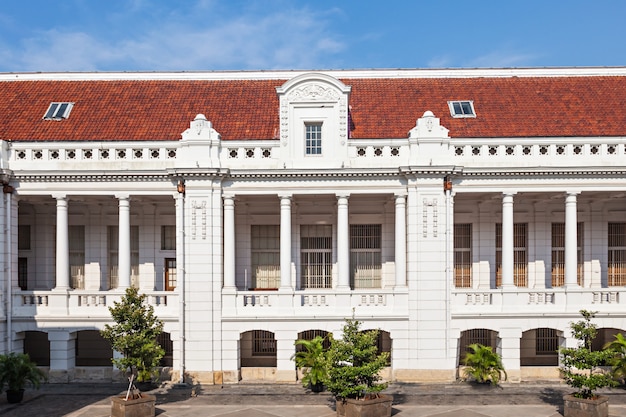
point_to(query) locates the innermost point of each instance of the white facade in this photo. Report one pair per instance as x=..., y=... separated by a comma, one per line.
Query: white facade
x=263, y=236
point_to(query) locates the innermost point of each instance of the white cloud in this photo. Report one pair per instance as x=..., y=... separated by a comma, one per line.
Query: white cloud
x=297, y=38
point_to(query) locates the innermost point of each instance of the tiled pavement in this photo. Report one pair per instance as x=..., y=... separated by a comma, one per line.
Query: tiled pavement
x=272, y=400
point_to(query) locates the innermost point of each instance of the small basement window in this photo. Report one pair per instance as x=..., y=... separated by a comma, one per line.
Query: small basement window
x=463, y=108
x=58, y=111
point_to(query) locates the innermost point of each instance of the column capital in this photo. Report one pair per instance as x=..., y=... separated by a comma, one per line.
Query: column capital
x=59, y=196
x=342, y=195
x=285, y=196
x=122, y=196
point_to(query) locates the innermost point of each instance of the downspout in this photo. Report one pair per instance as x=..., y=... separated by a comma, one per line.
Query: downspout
x=447, y=186
x=7, y=190
x=180, y=273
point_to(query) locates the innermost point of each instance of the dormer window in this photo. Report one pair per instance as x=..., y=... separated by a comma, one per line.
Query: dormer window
x=462, y=108
x=58, y=111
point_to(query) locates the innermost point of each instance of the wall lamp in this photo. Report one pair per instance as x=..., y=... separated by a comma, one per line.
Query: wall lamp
x=447, y=183
x=180, y=187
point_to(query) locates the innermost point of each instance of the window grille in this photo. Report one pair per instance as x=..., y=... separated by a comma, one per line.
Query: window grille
x=463, y=255
x=263, y=343
x=265, y=256
x=313, y=145
x=22, y=273
x=617, y=254
x=77, y=256
x=312, y=334
x=316, y=256
x=520, y=254
x=165, y=341
x=168, y=237
x=558, y=254
x=546, y=342
x=365, y=255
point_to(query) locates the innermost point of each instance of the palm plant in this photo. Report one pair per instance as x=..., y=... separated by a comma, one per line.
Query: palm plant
x=312, y=361
x=618, y=360
x=17, y=370
x=483, y=365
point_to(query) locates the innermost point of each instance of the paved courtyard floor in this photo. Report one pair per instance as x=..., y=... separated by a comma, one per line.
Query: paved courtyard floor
x=278, y=400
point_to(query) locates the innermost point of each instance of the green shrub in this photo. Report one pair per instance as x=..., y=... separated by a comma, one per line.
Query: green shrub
x=579, y=363
x=134, y=335
x=354, y=363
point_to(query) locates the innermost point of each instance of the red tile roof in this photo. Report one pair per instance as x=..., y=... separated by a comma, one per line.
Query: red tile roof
x=248, y=109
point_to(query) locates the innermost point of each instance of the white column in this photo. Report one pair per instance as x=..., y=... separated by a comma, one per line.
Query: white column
x=400, y=241
x=285, y=242
x=507, y=241
x=229, y=242
x=571, y=241
x=63, y=245
x=62, y=355
x=343, y=243
x=123, y=248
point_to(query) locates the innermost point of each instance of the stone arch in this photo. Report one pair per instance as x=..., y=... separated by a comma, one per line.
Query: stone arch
x=257, y=348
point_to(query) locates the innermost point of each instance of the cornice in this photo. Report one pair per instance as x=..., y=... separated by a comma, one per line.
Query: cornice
x=288, y=173
x=347, y=73
x=119, y=176
x=557, y=172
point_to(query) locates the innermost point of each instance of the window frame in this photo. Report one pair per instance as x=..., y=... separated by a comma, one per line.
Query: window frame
x=58, y=110
x=616, y=254
x=463, y=255
x=313, y=145
x=366, y=252
x=316, y=256
x=465, y=108
x=264, y=243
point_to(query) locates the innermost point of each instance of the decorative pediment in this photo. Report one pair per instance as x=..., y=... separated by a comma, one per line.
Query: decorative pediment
x=313, y=92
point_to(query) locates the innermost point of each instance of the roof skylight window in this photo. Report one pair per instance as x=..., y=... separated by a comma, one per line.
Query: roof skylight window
x=462, y=108
x=58, y=111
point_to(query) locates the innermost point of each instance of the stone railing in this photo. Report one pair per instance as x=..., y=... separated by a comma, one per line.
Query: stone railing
x=318, y=303
x=525, y=300
x=81, y=303
x=535, y=152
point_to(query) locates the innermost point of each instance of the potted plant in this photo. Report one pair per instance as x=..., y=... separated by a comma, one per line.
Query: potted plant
x=16, y=371
x=353, y=373
x=580, y=370
x=483, y=365
x=134, y=335
x=312, y=361
x=618, y=359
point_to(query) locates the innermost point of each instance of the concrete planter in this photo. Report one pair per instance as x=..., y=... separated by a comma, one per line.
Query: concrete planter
x=140, y=407
x=580, y=407
x=375, y=407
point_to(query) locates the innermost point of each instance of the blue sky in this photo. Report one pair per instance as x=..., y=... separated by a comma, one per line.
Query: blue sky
x=178, y=35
